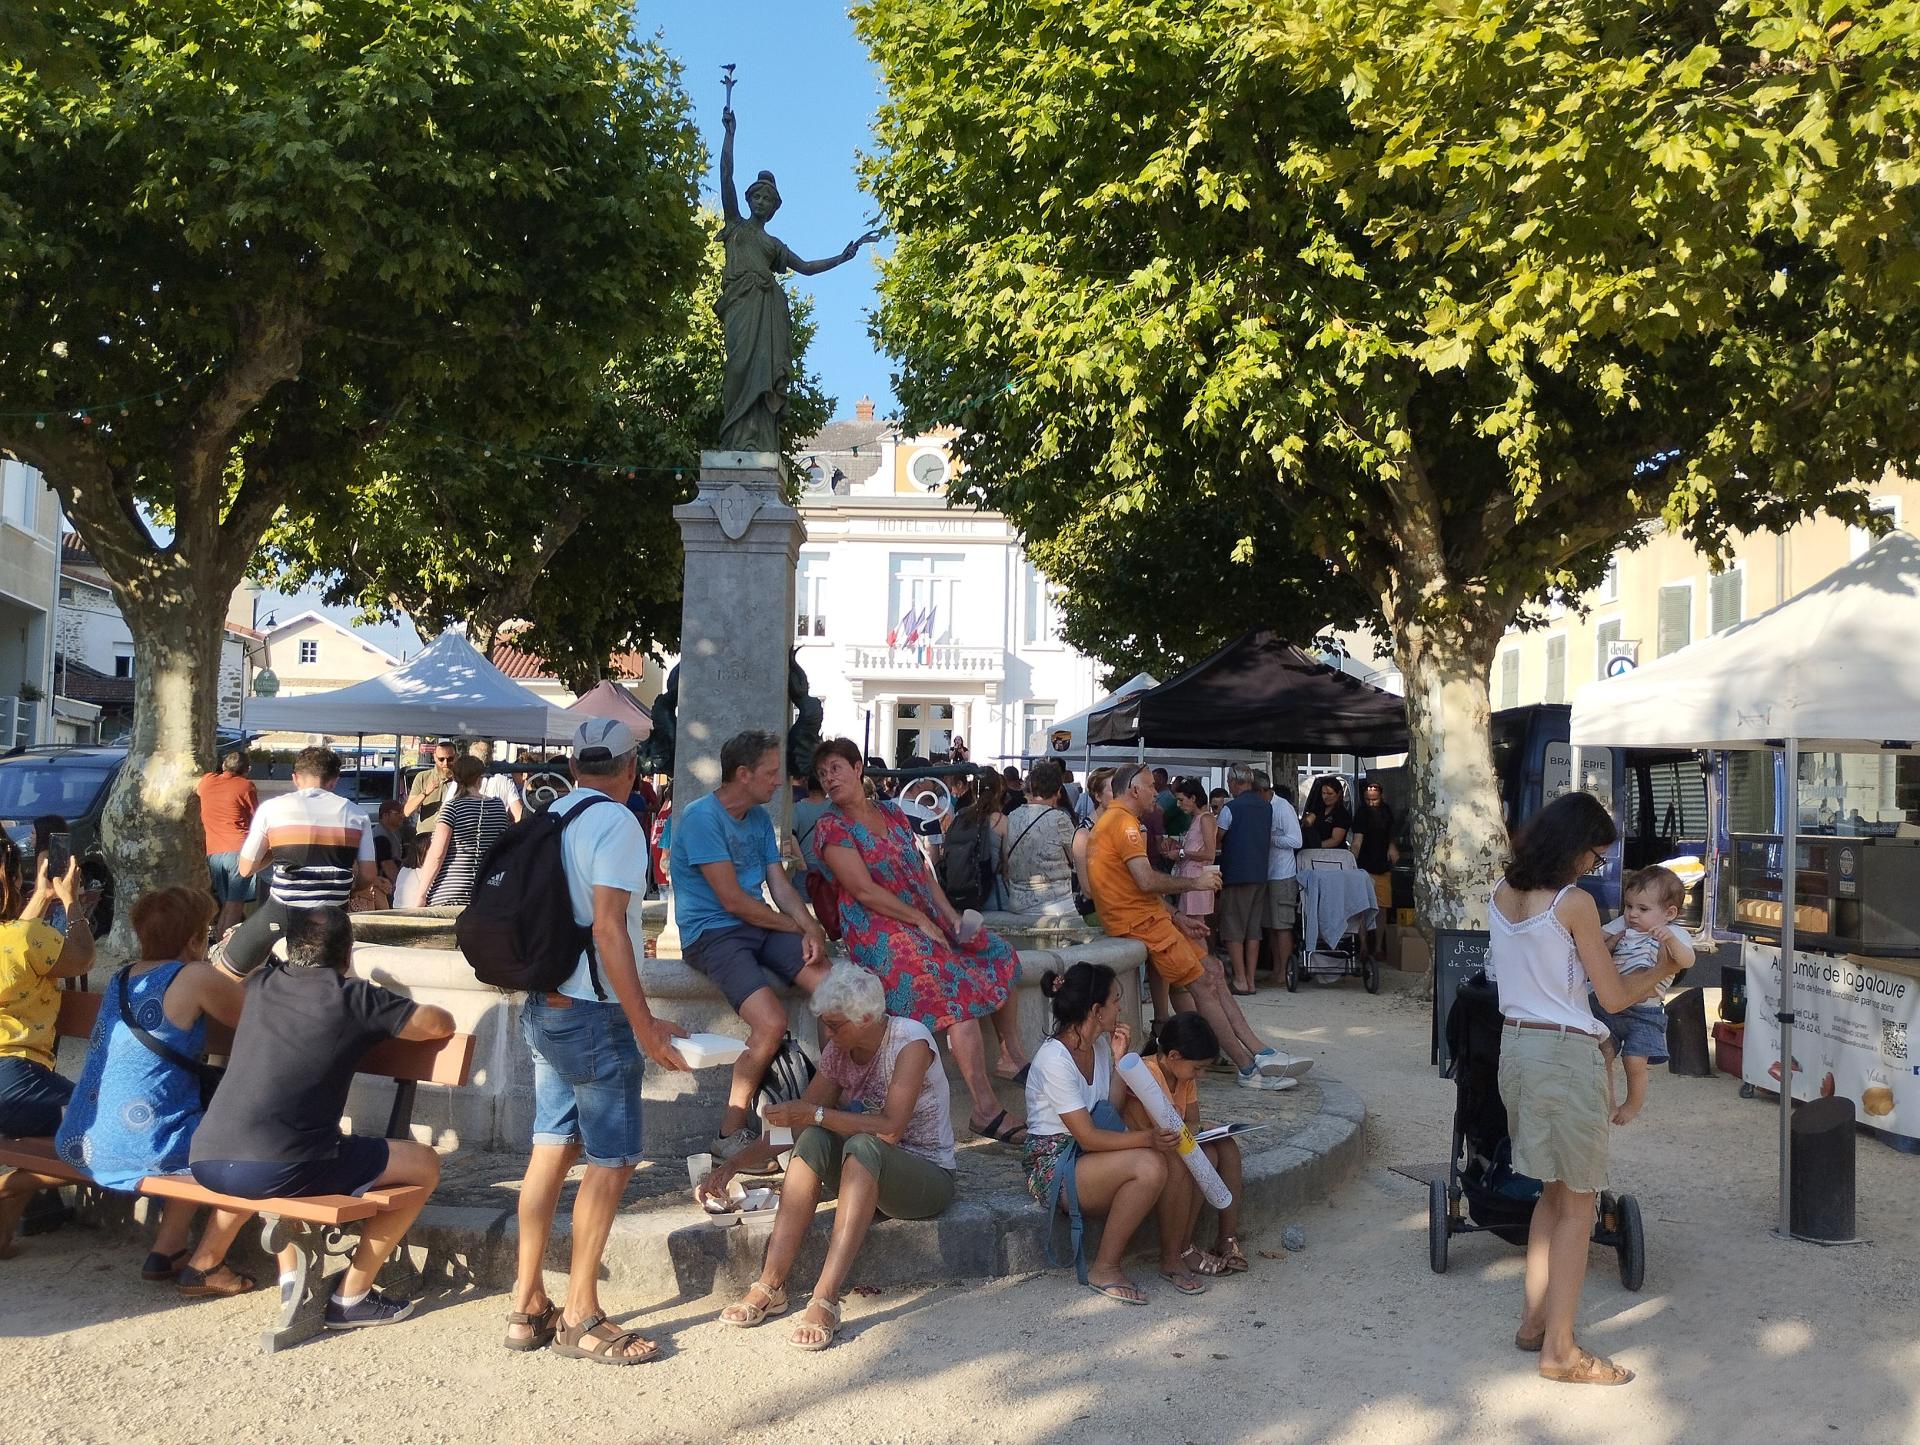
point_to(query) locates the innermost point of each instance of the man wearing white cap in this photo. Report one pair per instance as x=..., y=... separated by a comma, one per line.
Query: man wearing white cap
x=587, y=1063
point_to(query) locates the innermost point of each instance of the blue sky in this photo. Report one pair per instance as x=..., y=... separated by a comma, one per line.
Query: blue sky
x=806, y=97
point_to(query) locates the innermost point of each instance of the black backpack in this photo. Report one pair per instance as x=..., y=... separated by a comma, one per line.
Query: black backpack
x=517, y=930
x=966, y=863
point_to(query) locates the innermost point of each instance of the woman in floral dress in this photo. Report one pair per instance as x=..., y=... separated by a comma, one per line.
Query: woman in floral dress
x=899, y=925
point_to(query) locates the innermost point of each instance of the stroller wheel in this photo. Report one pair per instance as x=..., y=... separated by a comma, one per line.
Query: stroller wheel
x=1293, y=974
x=1633, y=1244
x=1439, y=1225
x=1370, y=975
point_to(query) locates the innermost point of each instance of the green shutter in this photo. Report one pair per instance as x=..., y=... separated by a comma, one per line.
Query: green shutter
x=1676, y=619
x=1605, y=633
x=1725, y=599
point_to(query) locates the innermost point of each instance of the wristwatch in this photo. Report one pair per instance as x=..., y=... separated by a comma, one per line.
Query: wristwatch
x=819, y=1113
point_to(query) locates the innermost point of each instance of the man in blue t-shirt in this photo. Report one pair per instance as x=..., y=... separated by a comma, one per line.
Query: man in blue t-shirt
x=725, y=857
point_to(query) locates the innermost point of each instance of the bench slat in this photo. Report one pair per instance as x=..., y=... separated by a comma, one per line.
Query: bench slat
x=311, y=1209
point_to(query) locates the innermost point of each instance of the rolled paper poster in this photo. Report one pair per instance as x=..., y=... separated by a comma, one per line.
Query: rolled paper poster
x=1139, y=1078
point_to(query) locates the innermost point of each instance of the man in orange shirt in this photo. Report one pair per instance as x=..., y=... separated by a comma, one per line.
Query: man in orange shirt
x=227, y=801
x=1134, y=902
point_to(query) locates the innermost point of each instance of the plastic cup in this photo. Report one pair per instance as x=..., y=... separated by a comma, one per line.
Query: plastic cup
x=699, y=1166
x=970, y=925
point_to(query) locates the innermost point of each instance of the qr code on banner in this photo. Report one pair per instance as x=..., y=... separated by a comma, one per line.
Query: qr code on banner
x=1893, y=1040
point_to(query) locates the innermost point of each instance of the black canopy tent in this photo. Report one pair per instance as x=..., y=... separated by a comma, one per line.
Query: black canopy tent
x=1259, y=692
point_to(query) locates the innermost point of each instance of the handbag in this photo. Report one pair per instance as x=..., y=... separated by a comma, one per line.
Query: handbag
x=208, y=1076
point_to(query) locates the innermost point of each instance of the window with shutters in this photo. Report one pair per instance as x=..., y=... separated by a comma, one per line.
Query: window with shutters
x=1726, y=599
x=1676, y=618
x=1510, y=679
x=1604, y=636
x=1556, y=668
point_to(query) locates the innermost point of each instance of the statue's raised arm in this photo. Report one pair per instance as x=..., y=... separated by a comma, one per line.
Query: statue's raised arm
x=753, y=304
x=729, y=197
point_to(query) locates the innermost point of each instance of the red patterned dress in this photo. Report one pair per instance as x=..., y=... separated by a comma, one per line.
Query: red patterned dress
x=939, y=984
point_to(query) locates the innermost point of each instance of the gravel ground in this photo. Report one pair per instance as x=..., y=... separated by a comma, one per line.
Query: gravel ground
x=1736, y=1335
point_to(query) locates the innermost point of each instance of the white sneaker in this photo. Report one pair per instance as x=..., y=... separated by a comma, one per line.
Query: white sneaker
x=1252, y=1078
x=1273, y=1061
x=728, y=1145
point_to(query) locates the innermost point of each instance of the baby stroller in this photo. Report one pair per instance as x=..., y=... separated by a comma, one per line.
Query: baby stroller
x=1482, y=1193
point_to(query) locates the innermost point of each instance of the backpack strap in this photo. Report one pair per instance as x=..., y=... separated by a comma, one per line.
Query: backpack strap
x=566, y=818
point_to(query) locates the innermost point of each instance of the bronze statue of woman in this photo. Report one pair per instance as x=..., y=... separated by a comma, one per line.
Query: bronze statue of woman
x=753, y=307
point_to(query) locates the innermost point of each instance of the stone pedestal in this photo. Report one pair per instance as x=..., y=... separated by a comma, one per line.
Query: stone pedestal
x=736, y=621
x=742, y=542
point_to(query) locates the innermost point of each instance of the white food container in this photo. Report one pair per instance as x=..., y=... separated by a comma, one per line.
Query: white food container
x=708, y=1051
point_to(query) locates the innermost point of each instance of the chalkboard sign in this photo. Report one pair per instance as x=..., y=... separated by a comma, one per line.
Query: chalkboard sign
x=1457, y=952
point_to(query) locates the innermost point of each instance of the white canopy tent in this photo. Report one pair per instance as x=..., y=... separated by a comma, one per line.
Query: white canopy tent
x=1831, y=669
x=449, y=690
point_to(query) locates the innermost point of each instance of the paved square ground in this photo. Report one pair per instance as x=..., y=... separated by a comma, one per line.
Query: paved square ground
x=1737, y=1336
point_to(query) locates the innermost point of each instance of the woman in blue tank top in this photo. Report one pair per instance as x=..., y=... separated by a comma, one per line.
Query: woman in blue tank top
x=134, y=1109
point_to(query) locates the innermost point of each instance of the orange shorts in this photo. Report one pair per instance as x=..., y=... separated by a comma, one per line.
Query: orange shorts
x=1171, y=954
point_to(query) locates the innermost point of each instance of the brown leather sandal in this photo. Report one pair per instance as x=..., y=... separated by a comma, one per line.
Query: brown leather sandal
x=541, y=1327
x=1529, y=1344
x=598, y=1339
x=1588, y=1369
x=196, y=1284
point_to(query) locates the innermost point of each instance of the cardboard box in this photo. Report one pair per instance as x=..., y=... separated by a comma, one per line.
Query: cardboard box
x=1414, y=955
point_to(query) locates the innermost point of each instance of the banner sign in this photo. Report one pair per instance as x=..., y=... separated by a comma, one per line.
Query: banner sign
x=1855, y=1036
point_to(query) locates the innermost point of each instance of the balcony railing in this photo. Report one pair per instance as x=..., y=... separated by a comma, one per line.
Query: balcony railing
x=948, y=659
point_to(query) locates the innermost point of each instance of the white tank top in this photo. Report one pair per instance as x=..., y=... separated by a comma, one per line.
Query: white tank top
x=1537, y=969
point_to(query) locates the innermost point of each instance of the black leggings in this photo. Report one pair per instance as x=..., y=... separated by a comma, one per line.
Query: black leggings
x=251, y=944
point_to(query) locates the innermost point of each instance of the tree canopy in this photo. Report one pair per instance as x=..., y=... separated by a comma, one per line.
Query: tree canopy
x=1462, y=292
x=241, y=244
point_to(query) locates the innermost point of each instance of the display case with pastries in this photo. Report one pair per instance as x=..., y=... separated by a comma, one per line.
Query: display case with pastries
x=1852, y=894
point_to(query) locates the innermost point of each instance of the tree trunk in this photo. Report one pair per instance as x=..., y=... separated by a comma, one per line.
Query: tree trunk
x=151, y=823
x=1459, y=836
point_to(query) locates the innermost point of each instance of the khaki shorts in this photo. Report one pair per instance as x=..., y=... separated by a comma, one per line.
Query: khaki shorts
x=1242, y=912
x=1171, y=954
x=1555, y=1089
x=1283, y=903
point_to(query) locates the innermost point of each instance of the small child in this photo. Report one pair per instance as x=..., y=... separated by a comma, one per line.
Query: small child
x=1186, y=1046
x=1639, y=939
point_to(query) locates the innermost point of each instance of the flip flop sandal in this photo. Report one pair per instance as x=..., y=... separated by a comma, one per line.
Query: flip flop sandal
x=832, y=1307
x=1233, y=1257
x=1529, y=1344
x=542, y=1326
x=1589, y=1369
x=752, y=1314
x=161, y=1268
x=999, y=1135
x=1127, y=1294
x=197, y=1284
x=1185, y=1283
x=612, y=1342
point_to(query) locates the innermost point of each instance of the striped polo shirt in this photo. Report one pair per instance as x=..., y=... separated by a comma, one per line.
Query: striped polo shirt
x=313, y=838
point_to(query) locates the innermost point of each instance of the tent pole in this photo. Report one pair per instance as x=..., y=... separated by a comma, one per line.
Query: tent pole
x=359, y=761
x=1789, y=898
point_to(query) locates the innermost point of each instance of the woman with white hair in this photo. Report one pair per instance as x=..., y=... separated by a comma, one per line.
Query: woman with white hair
x=876, y=1129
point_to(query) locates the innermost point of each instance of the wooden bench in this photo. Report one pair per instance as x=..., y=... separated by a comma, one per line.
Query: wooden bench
x=313, y=1226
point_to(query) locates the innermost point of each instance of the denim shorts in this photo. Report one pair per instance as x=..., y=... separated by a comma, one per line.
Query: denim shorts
x=228, y=885
x=1639, y=1032
x=587, y=1072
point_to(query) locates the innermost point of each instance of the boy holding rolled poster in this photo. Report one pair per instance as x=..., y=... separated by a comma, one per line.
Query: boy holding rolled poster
x=1187, y=1045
